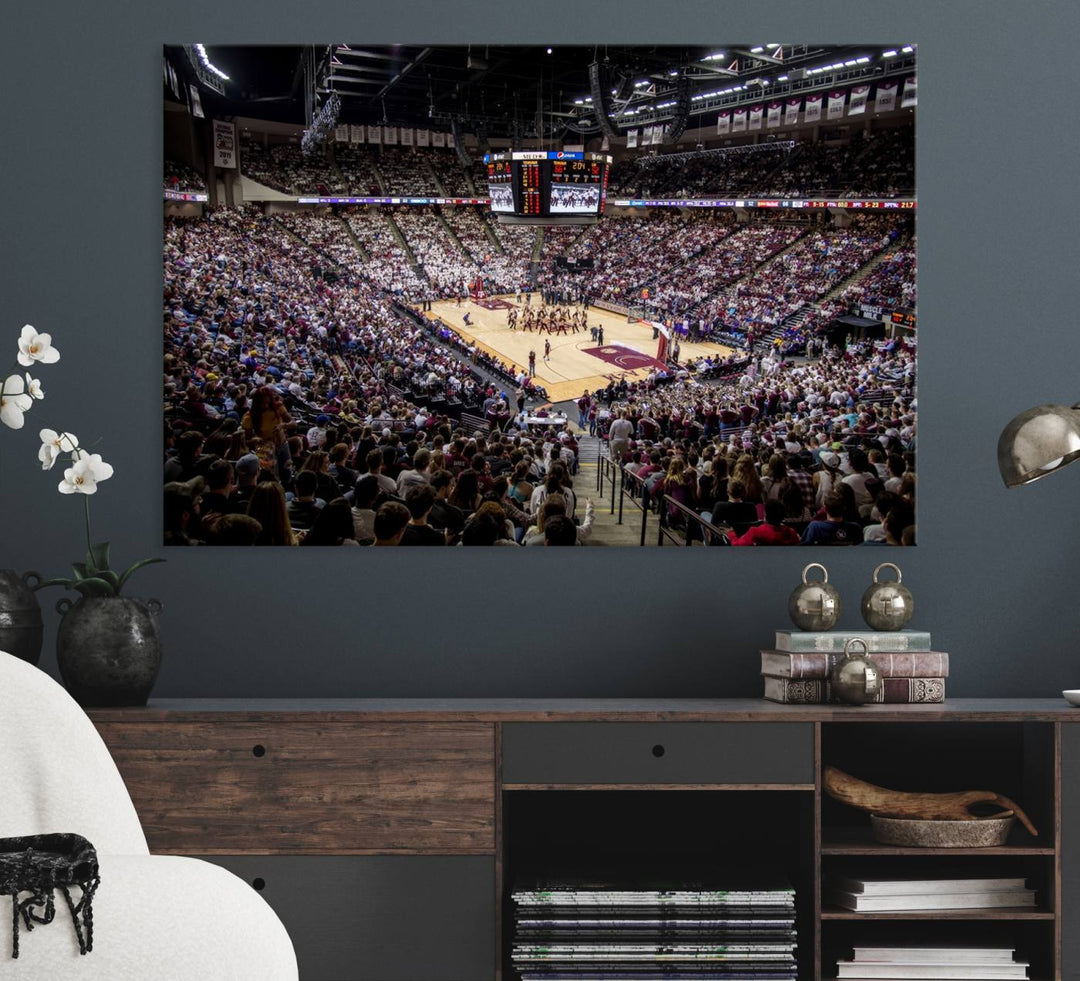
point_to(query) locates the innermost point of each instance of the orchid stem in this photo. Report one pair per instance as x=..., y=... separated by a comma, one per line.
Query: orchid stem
x=89, y=547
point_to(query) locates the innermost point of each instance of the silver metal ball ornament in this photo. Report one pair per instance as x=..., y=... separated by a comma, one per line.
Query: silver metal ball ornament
x=814, y=605
x=855, y=679
x=887, y=605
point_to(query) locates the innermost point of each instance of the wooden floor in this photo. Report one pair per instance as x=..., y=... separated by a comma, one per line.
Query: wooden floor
x=569, y=371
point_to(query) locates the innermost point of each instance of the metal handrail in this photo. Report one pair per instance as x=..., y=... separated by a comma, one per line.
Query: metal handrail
x=708, y=529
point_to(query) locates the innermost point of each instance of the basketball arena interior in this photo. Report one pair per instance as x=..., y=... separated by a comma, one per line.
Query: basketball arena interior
x=529, y=295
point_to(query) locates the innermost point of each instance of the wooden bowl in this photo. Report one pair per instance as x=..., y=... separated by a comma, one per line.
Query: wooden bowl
x=916, y=833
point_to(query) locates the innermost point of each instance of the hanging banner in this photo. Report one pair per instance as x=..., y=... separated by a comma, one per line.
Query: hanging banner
x=356, y=133
x=224, y=144
x=756, y=113
x=791, y=112
x=911, y=95
x=341, y=133
x=423, y=137
x=450, y=140
x=406, y=136
x=723, y=123
x=836, y=105
x=195, y=103
x=774, y=115
x=389, y=135
x=738, y=125
x=374, y=134
x=857, y=102
x=812, y=112
x=438, y=139
x=631, y=138
x=885, y=97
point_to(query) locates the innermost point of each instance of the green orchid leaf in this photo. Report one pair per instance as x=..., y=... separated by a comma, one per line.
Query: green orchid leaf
x=138, y=565
x=97, y=559
x=66, y=583
x=94, y=587
x=80, y=570
x=110, y=577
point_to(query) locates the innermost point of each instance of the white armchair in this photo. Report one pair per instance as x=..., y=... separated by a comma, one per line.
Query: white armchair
x=156, y=918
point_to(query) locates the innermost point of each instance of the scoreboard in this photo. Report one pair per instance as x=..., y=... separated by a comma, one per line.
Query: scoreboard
x=556, y=186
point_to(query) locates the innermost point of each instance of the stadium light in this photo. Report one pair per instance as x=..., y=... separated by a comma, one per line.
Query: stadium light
x=208, y=65
x=757, y=50
x=1041, y=440
x=907, y=49
x=891, y=53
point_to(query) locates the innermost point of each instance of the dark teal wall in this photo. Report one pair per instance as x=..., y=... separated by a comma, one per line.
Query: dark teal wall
x=995, y=578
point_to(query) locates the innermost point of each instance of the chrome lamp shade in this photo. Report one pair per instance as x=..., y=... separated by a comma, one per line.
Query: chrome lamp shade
x=1037, y=442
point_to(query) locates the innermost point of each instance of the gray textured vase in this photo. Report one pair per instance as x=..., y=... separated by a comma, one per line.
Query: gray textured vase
x=108, y=649
x=21, y=629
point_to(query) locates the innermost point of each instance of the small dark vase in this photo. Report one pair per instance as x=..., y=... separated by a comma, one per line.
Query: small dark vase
x=21, y=629
x=108, y=649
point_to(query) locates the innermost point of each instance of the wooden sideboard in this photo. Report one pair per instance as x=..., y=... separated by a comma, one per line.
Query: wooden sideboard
x=387, y=833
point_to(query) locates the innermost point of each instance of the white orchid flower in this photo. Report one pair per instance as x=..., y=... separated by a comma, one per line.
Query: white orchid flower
x=36, y=347
x=53, y=444
x=14, y=401
x=85, y=474
x=33, y=387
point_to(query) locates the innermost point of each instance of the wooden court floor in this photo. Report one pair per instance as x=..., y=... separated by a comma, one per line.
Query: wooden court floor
x=569, y=370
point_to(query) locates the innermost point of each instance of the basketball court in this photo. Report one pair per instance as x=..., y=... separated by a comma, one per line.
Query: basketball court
x=576, y=361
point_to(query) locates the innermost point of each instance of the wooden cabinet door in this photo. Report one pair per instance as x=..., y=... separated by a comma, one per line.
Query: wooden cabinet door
x=204, y=788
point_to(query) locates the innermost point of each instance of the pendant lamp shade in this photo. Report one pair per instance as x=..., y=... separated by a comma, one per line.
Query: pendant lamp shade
x=1037, y=442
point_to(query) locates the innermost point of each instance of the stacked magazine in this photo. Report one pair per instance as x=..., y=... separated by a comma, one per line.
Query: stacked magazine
x=599, y=931
x=901, y=894
x=938, y=963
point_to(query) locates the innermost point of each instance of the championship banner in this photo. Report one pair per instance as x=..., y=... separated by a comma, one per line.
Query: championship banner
x=723, y=123
x=836, y=105
x=739, y=123
x=224, y=144
x=911, y=94
x=374, y=134
x=631, y=138
x=756, y=113
x=648, y=136
x=885, y=97
x=390, y=135
x=857, y=102
x=774, y=115
x=356, y=133
x=196, y=104
x=341, y=133
x=813, y=109
x=438, y=139
x=406, y=136
x=450, y=140
x=791, y=112
x=423, y=137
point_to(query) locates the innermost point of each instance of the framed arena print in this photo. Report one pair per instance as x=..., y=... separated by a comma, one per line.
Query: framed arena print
x=537, y=295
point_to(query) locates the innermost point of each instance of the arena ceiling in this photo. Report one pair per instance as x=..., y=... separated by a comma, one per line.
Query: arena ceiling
x=523, y=90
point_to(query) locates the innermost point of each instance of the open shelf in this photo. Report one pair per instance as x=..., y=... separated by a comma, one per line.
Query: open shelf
x=1003, y=913
x=860, y=841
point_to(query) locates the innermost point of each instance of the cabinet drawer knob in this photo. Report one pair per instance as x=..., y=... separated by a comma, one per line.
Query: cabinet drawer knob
x=658, y=750
x=258, y=750
x=258, y=884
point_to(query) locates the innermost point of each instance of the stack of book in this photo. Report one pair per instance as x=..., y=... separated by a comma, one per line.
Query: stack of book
x=895, y=894
x=939, y=963
x=577, y=931
x=796, y=671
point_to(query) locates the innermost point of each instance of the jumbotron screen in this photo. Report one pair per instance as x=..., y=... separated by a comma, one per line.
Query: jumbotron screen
x=552, y=185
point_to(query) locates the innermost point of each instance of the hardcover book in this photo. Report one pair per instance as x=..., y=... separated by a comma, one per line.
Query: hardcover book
x=920, y=887
x=891, y=664
x=978, y=900
x=894, y=691
x=833, y=641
